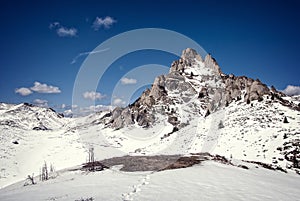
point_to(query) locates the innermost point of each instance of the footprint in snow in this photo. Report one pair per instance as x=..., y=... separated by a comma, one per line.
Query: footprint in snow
x=127, y=197
x=136, y=189
x=145, y=180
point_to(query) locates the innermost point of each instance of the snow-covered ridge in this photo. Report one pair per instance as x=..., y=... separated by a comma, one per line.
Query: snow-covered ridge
x=26, y=116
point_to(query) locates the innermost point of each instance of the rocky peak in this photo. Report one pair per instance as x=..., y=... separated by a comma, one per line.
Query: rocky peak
x=187, y=58
x=193, y=87
x=211, y=63
x=190, y=54
x=190, y=58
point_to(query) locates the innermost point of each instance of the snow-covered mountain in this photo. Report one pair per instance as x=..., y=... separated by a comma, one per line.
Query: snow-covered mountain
x=193, y=88
x=30, y=135
x=29, y=117
x=194, y=108
x=198, y=108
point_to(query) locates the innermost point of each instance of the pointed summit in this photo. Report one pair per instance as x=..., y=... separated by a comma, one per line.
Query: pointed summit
x=190, y=54
x=190, y=57
x=211, y=63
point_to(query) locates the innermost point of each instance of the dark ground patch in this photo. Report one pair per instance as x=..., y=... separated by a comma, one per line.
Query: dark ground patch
x=155, y=163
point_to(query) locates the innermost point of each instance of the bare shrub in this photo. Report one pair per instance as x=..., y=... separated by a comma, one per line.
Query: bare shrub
x=91, y=159
x=47, y=173
x=29, y=180
x=85, y=199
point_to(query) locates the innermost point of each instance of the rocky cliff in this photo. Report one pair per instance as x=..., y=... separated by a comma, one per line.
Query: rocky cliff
x=194, y=86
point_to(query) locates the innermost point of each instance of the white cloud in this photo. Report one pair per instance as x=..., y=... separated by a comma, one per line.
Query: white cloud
x=126, y=81
x=83, y=111
x=54, y=25
x=93, y=95
x=40, y=102
x=68, y=113
x=23, y=91
x=63, y=31
x=119, y=102
x=98, y=108
x=87, y=53
x=44, y=88
x=292, y=90
x=106, y=22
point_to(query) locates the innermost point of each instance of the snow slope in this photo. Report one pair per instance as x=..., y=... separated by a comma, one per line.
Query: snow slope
x=254, y=132
x=209, y=181
x=24, y=150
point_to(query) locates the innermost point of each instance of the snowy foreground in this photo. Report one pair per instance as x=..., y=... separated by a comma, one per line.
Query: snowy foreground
x=208, y=181
x=252, y=132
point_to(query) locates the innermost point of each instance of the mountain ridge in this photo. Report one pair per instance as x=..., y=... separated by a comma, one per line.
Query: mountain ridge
x=191, y=80
x=28, y=116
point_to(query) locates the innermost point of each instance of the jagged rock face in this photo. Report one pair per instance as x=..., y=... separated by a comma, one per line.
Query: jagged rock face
x=211, y=63
x=193, y=86
x=189, y=55
x=158, y=89
x=235, y=86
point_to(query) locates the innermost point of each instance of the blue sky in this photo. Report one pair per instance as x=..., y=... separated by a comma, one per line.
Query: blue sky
x=39, y=40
